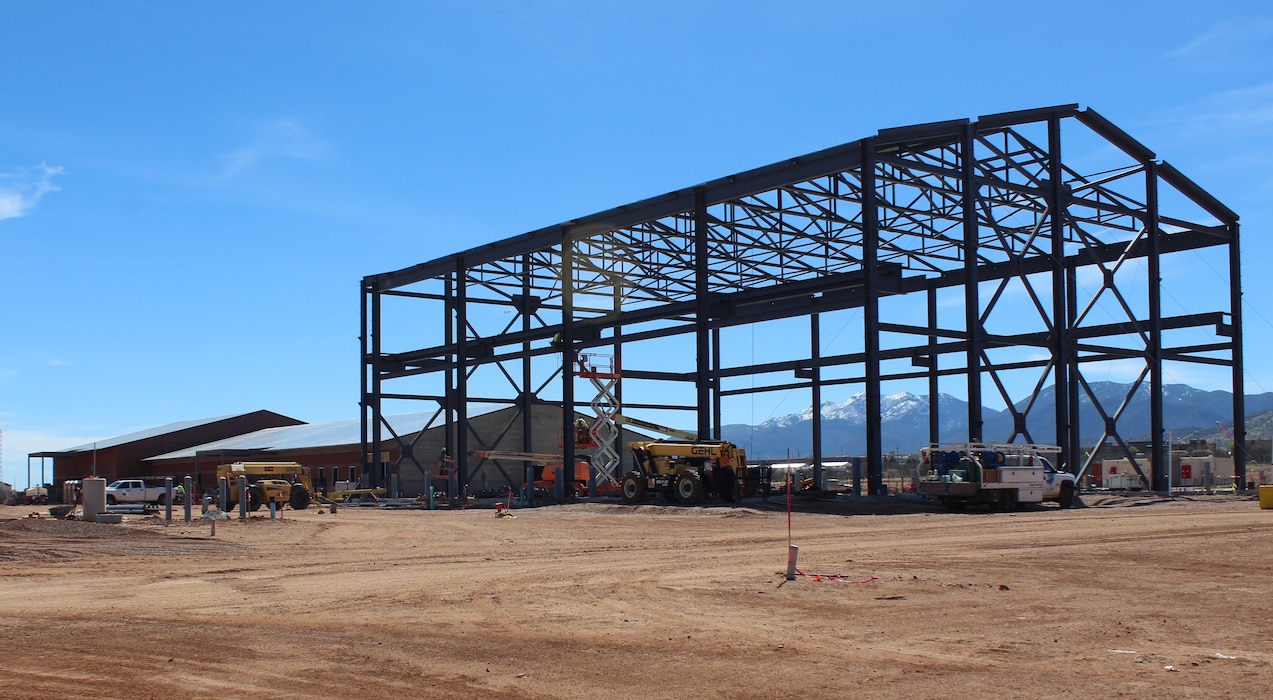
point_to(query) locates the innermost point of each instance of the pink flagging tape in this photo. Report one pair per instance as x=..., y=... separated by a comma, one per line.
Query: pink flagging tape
x=835, y=577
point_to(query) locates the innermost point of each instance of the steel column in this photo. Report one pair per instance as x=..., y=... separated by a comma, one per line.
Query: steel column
x=1061, y=338
x=716, y=407
x=702, y=317
x=934, y=395
x=1073, y=440
x=1159, y=459
x=454, y=362
x=972, y=300
x=524, y=403
x=461, y=456
x=568, y=353
x=871, y=321
x=1239, y=382
x=815, y=353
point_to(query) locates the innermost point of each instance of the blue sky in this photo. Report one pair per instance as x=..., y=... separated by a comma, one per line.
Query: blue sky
x=190, y=192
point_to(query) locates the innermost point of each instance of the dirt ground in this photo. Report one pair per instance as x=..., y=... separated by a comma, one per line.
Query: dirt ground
x=1124, y=598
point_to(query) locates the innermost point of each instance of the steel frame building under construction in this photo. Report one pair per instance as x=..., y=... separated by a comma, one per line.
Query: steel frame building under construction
x=1023, y=233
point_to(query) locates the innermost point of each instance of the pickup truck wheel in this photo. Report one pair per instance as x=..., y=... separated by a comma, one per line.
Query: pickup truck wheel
x=110, y=501
x=163, y=499
x=955, y=504
x=1066, y=499
x=299, y=499
x=1007, y=500
x=689, y=489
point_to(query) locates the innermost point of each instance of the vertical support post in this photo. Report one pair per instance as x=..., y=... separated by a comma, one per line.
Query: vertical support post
x=452, y=363
x=1061, y=339
x=568, y=350
x=703, y=340
x=1239, y=386
x=243, y=498
x=972, y=301
x=223, y=494
x=461, y=455
x=1158, y=457
x=815, y=353
x=363, y=381
x=188, y=496
x=168, y=499
x=618, y=367
x=871, y=318
x=523, y=399
x=376, y=407
x=1074, y=439
x=934, y=398
x=715, y=379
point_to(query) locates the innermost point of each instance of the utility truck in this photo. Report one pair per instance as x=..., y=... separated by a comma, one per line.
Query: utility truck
x=998, y=475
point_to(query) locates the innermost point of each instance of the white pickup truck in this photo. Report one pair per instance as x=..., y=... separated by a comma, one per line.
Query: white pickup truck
x=138, y=491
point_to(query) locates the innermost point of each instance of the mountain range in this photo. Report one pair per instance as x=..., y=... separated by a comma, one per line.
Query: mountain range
x=1188, y=413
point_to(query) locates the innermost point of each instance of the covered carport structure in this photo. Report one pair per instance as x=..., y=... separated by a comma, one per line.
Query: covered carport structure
x=1010, y=254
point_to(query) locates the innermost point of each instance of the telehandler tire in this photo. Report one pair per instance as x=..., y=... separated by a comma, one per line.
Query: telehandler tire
x=726, y=484
x=256, y=497
x=689, y=489
x=299, y=498
x=633, y=487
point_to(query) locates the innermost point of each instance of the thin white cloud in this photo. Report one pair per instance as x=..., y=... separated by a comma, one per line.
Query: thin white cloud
x=1222, y=39
x=1247, y=109
x=21, y=190
x=282, y=139
x=1227, y=131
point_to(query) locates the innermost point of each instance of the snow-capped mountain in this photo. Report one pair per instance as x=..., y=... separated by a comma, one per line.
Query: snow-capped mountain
x=904, y=420
x=893, y=406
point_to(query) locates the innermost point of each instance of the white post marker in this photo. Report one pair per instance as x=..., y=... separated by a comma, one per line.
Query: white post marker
x=792, y=550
